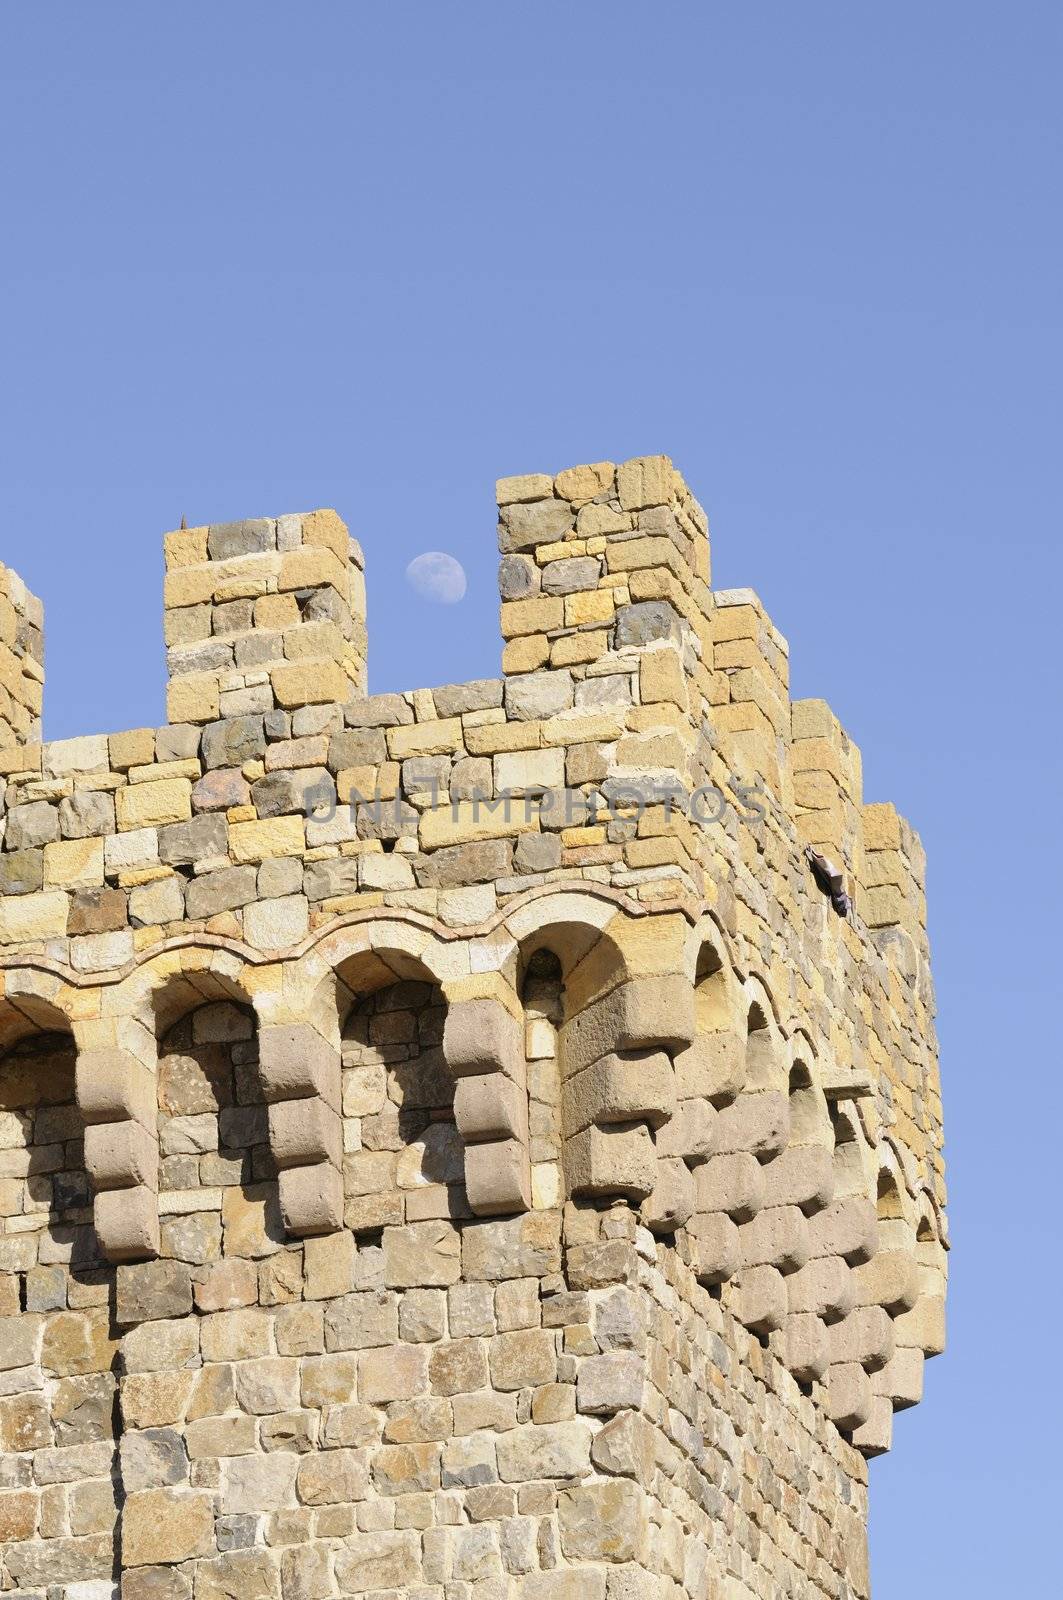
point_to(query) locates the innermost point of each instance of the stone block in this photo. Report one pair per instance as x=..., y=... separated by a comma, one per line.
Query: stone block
x=801, y=1176
x=384, y=1560
x=304, y=1132
x=776, y=1238
x=619, y=1159
x=152, y=1291
x=620, y=1089
x=865, y=1336
x=166, y=1525
x=497, y=1177
x=311, y=1199
x=113, y=1086
x=874, y=1437
x=715, y=1253
x=672, y=1201
x=847, y=1228
x=121, y=1154
x=690, y=1134
x=849, y=1396
x=604, y=1521
x=552, y=1450
x=127, y=1223
x=611, y=1382
x=482, y=1036
x=643, y=1015
x=890, y=1279
x=758, y=1123
x=805, y=1347
x=901, y=1379
x=490, y=1106
x=924, y=1327
x=733, y=1184
x=421, y=1254
x=296, y=1062
x=760, y=1299
x=823, y=1287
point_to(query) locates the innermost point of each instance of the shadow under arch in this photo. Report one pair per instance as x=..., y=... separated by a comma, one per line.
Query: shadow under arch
x=46, y=1203
x=403, y=1154
x=217, y=1175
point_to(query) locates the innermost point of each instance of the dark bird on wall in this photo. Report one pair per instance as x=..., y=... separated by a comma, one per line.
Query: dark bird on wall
x=829, y=881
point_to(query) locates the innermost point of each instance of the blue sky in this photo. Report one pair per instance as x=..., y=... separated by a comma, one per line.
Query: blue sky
x=259, y=258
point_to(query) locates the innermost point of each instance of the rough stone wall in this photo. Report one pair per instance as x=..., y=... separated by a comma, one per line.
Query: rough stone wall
x=408, y=1193
x=21, y=660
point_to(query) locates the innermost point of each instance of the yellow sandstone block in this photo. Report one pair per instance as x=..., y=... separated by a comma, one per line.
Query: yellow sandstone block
x=311, y=568
x=368, y=781
x=475, y=822
x=308, y=683
x=32, y=916
x=326, y=529
x=742, y=718
x=589, y=605
x=185, y=547
x=262, y=840
x=811, y=719
x=656, y=551
x=74, y=864
x=737, y=653
x=561, y=551
x=572, y=838
x=667, y=750
x=165, y=769
x=317, y=641
x=736, y=622
x=425, y=738
x=494, y=737
x=524, y=655
x=661, y=678
x=576, y=648
x=276, y=611
x=593, y=727
x=580, y=484
x=658, y=852
x=147, y=805
x=531, y=616
x=644, y=481
x=133, y=748
x=524, y=486
x=193, y=698
x=882, y=827
x=656, y=718
x=190, y=586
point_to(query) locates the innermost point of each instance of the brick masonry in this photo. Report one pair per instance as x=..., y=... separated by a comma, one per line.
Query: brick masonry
x=410, y=1193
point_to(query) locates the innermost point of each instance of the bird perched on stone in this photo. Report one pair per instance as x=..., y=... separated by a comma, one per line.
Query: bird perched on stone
x=829, y=880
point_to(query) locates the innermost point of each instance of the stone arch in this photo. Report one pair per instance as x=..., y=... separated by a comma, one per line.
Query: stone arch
x=404, y=1155
x=43, y=1186
x=218, y=1189
x=624, y=1007
x=56, y=1300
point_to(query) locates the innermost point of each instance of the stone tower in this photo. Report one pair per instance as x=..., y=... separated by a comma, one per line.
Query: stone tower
x=451, y=1146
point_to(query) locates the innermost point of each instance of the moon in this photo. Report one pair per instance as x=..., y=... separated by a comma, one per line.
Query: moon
x=437, y=577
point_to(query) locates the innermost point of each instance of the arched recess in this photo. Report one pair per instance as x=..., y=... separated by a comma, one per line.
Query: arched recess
x=56, y=1307
x=403, y=1157
x=44, y=1193
x=607, y=1006
x=217, y=1178
x=710, y=1074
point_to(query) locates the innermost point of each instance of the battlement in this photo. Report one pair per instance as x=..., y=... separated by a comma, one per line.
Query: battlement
x=456, y=1123
x=21, y=661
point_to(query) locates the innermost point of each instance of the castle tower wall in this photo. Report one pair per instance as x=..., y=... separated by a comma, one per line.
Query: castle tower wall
x=437, y=1157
